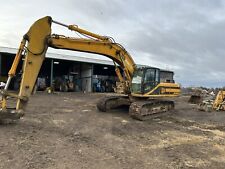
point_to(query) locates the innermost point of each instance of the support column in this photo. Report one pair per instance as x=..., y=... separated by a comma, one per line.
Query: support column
x=92, y=70
x=51, y=73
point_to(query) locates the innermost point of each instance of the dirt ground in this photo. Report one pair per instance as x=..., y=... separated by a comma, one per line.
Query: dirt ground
x=65, y=130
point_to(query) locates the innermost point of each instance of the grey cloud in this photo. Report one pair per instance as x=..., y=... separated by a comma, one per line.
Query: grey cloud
x=192, y=40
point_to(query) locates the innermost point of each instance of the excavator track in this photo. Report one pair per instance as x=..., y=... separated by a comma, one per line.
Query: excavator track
x=112, y=102
x=144, y=110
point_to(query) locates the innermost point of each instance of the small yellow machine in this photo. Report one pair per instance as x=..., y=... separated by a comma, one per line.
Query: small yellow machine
x=141, y=87
x=219, y=103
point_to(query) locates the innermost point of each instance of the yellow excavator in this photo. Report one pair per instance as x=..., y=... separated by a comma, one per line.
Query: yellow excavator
x=139, y=87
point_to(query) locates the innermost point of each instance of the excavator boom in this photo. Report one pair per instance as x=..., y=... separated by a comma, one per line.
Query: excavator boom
x=111, y=50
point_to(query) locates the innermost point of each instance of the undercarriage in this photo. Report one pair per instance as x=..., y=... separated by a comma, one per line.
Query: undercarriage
x=140, y=109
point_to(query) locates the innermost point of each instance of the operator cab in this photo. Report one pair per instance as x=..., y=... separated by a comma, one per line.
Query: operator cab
x=147, y=78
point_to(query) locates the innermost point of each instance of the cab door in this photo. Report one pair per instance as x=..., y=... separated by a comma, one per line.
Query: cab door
x=151, y=79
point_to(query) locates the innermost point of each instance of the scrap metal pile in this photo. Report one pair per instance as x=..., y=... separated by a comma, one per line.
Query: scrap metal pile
x=208, y=100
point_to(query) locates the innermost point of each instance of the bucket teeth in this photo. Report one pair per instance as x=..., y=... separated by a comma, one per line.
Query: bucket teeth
x=10, y=114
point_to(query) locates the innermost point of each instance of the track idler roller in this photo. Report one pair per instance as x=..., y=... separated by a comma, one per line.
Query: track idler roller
x=112, y=102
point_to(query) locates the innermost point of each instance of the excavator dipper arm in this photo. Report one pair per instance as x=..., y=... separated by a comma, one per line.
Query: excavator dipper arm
x=36, y=41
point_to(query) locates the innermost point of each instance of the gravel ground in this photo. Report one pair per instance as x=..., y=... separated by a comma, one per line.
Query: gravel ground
x=64, y=130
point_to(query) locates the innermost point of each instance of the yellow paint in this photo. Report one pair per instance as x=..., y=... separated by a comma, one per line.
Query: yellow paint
x=220, y=97
x=82, y=31
x=37, y=47
x=3, y=103
x=17, y=59
x=172, y=88
x=108, y=49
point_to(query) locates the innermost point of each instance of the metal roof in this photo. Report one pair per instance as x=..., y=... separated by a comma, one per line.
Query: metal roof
x=162, y=70
x=72, y=58
x=62, y=57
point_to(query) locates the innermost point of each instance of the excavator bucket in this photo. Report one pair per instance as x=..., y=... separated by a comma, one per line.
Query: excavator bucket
x=8, y=114
x=195, y=99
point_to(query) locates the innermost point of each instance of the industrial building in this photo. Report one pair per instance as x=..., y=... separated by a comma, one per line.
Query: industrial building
x=65, y=72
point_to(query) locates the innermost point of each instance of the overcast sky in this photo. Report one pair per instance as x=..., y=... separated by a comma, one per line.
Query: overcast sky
x=186, y=36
